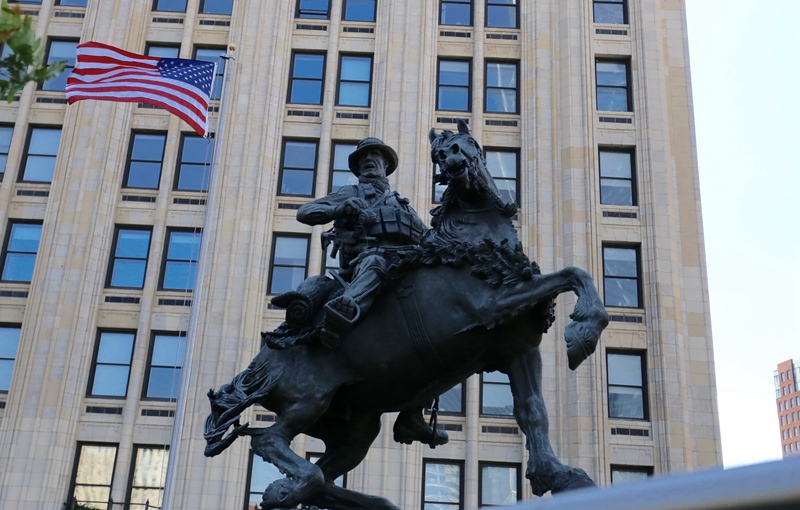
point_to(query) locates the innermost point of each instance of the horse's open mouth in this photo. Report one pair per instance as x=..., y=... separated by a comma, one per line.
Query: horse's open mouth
x=458, y=171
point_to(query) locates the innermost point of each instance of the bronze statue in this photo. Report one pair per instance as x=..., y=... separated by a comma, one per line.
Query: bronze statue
x=465, y=299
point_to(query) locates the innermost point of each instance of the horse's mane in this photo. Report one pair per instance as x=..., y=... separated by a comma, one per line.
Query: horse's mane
x=449, y=197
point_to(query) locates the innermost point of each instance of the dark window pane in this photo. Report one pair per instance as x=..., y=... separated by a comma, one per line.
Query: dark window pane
x=625, y=403
x=359, y=10
x=73, y=3
x=625, y=369
x=128, y=273
x=41, y=155
x=612, y=73
x=133, y=243
x=313, y=9
x=300, y=155
x=619, y=262
x=498, y=100
x=213, y=55
x=217, y=7
x=60, y=51
x=456, y=14
x=291, y=250
x=501, y=16
x=606, y=12
x=297, y=182
x=621, y=292
x=498, y=485
x=164, y=382
x=110, y=380
x=143, y=174
x=163, y=51
x=615, y=164
x=451, y=400
x=171, y=5
x=616, y=192
x=612, y=99
x=168, y=350
x=25, y=237
x=453, y=73
x=442, y=484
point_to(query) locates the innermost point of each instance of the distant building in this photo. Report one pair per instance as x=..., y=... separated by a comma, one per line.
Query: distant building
x=584, y=108
x=787, y=396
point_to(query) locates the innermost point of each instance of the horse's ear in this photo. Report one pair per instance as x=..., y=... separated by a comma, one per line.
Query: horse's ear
x=432, y=135
x=462, y=126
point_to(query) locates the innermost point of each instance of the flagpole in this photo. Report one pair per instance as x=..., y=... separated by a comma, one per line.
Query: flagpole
x=203, y=263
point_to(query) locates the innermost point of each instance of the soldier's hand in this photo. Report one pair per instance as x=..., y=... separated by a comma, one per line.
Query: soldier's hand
x=352, y=207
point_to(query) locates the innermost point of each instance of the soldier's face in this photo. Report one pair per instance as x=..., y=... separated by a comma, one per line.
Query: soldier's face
x=372, y=165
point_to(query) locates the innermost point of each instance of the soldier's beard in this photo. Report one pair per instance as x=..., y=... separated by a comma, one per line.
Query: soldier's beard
x=381, y=184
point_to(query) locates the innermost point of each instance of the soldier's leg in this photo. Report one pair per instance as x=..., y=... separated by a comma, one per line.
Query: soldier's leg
x=347, y=309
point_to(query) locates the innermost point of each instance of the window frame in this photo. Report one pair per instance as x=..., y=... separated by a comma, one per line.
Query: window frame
x=67, y=69
x=275, y=236
x=480, y=402
x=292, y=77
x=624, y=3
x=298, y=12
x=13, y=360
x=490, y=3
x=487, y=87
x=374, y=13
x=73, y=484
x=648, y=470
x=7, y=241
x=165, y=259
x=113, y=256
x=149, y=366
x=517, y=178
x=132, y=475
x=4, y=126
x=452, y=462
x=638, y=279
x=93, y=372
x=332, y=170
x=457, y=2
x=129, y=159
x=468, y=86
x=339, y=79
x=202, y=8
x=628, y=83
x=156, y=9
x=631, y=152
x=149, y=45
x=483, y=464
x=463, y=404
x=58, y=2
x=642, y=355
x=206, y=165
x=313, y=170
x=23, y=165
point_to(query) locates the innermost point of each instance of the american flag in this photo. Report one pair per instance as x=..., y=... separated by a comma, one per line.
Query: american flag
x=107, y=73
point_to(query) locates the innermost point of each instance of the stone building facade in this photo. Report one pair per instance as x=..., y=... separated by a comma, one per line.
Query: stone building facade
x=585, y=110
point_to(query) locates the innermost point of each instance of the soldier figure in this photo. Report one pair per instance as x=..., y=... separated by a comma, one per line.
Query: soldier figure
x=368, y=218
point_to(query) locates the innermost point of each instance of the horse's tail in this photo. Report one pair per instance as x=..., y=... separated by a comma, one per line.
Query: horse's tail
x=226, y=404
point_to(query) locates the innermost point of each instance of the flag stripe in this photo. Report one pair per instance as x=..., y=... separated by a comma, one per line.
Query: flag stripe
x=106, y=73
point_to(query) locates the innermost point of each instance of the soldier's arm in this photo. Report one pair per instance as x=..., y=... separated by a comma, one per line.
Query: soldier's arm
x=326, y=209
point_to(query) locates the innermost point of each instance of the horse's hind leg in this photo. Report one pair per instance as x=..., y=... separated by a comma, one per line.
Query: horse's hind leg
x=545, y=471
x=344, y=450
x=272, y=444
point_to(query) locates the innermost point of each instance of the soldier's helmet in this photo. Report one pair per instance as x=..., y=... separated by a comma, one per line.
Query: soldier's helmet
x=372, y=143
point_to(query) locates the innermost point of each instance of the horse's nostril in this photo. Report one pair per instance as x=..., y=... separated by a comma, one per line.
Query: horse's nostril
x=456, y=150
x=442, y=155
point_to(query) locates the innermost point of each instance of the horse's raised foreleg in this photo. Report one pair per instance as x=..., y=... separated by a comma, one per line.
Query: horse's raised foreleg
x=545, y=471
x=272, y=444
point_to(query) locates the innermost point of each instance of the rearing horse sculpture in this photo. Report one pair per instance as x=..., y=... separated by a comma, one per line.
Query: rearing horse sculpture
x=467, y=300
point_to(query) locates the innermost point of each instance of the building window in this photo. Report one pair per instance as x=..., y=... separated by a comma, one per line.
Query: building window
x=213, y=55
x=305, y=84
x=500, y=484
x=39, y=158
x=5, y=147
x=613, y=93
x=442, y=483
x=299, y=168
x=129, y=258
x=161, y=51
x=163, y=379
x=289, y=259
x=454, y=86
x=72, y=3
x=354, y=80
x=496, y=397
x=194, y=164
x=452, y=400
x=501, y=13
x=180, y=261
x=262, y=473
x=60, y=51
x=313, y=9
x=627, y=389
x=92, y=475
x=340, y=168
x=149, y=474
x=626, y=474
x=610, y=11
x=501, y=87
x=359, y=10
x=621, y=285
x=112, y=364
x=19, y=255
x=216, y=6
x=455, y=12
x=438, y=189
x=330, y=263
x=9, y=342
x=170, y=5
x=504, y=169
x=146, y=155
x=617, y=185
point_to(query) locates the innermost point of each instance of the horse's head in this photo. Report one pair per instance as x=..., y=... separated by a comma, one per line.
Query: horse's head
x=462, y=167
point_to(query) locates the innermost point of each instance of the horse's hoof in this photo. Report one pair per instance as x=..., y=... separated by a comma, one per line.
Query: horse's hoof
x=580, y=344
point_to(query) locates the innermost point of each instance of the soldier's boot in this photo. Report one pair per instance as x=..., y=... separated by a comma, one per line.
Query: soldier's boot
x=411, y=426
x=343, y=312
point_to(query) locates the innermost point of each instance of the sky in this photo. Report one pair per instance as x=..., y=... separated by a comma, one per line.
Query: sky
x=745, y=67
